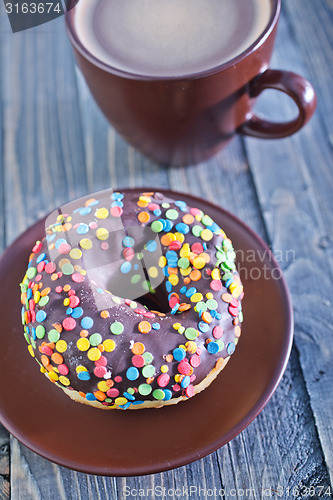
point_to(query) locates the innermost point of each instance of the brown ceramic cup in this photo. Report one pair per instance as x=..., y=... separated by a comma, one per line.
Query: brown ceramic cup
x=184, y=120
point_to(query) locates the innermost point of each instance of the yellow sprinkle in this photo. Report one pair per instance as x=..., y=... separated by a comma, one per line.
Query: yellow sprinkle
x=216, y=275
x=176, y=326
x=66, y=302
x=94, y=354
x=199, y=263
x=103, y=386
x=75, y=253
x=162, y=262
x=53, y=376
x=185, y=250
x=101, y=213
x=83, y=344
x=86, y=243
x=43, y=370
x=180, y=237
x=153, y=272
x=102, y=233
x=31, y=351
x=62, y=262
x=186, y=272
x=147, y=199
x=196, y=297
x=81, y=368
x=178, y=378
x=64, y=380
x=182, y=347
x=164, y=368
x=206, y=234
x=61, y=346
x=235, y=292
x=37, y=297
x=191, y=347
x=172, y=236
x=109, y=345
x=173, y=279
x=120, y=401
x=209, y=295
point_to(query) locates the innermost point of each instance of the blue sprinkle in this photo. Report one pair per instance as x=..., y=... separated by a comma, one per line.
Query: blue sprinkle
x=41, y=257
x=185, y=381
x=29, y=293
x=228, y=283
x=132, y=373
x=50, y=237
x=183, y=289
x=117, y=204
x=204, y=245
x=128, y=241
x=90, y=395
x=231, y=348
x=151, y=246
x=191, y=291
x=77, y=312
x=87, y=322
x=84, y=376
x=100, y=290
x=168, y=394
x=181, y=204
x=157, y=212
x=213, y=347
x=136, y=267
x=137, y=402
x=163, y=223
x=217, y=315
x=69, y=310
x=175, y=309
x=168, y=226
x=127, y=405
x=59, y=242
x=33, y=332
x=129, y=396
x=171, y=254
x=82, y=229
x=93, y=203
x=156, y=326
x=213, y=313
x=117, y=196
x=40, y=316
x=168, y=286
x=203, y=327
x=84, y=211
x=165, y=271
x=182, y=228
x=179, y=354
x=126, y=267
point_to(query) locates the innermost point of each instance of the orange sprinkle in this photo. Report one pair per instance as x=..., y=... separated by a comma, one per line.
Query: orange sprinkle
x=142, y=204
x=187, y=280
x=195, y=275
x=105, y=314
x=206, y=317
x=166, y=240
x=219, y=363
x=100, y=395
x=110, y=382
x=35, y=288
x=150, y=380
x=188, y=218
x=226, y=297
x=66, y=288
x=82, y=394
x=173, y=270
x=138, y=348
x=205, y=257
x=169, y=358
x=235, y=321
x=101, y=347
x=143, y=217
x=50, y=345
x=54, y=277
x=148, y=194
x=67, y=226
x=237, y=331
x=84, y=333
x=87, y=203
x=31, y=256
x=58, y=327
x=40, y=285
x=144, y=327
x=45, y=292
x=45, y=360
x=184, y=307
x=57, y=358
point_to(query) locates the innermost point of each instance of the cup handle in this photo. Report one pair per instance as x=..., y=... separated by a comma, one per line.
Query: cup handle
x=297, y=87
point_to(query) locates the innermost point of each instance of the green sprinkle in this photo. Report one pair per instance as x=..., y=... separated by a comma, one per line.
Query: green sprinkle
x=220, y=344
x=43, y=301
x=191, y=333
x=148, y=371
x=156, y=226
x=95, y=339
x=144, y=389
x=158, y=394
x=183, y=263
x=200, y=307
x=117, y=328
x=31, y=272
x=211, y=304
x=53, y=335
x=206, y=220
x=148, y=357
x=135, y=279
x=67, y=269
x=40, y=331
x=196, y=230
x=172, y=214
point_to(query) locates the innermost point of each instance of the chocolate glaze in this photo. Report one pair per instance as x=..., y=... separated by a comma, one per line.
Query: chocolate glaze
x=103, y=268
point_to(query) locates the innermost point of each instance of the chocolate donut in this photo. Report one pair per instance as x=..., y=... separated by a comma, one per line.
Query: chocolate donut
x=131, y=301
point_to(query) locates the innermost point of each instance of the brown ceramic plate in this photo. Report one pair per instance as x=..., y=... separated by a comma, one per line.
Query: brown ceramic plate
x=125, y=443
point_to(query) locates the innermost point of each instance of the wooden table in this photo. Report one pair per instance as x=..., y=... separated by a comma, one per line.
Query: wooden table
x=56, y=146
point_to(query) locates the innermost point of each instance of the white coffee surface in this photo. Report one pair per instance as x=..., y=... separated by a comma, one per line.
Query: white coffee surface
x=169, y=37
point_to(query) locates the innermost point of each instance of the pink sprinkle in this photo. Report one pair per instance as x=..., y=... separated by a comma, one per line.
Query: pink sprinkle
x=184, y=367
x=175, y=245
x=195, y=360
x=153, y=206
x=63, y=369
x=37, y=248
x=59, y=273
x=93, y=225
x=233, y=311
x=148, y=314
x=176, y=387
x=189, y=391
x=32, y=305
x=195, y=211
x=69, y=324
x=100, y=371
x=74, y=301
x=217, y=332
x=104, y=245
x=234, y=302
x=118, y=378
x=128, y=253
x=193, y=377
x=50, y=268
x=77, y=277
x=216, y=285
x=102, y=361
x=64, y=248
x=58, y=289
x=173, y=301
x=71, y=292
x=47, y=350
x=113, y=392
x=197, y=248
x=38, y=277
x=40, y=266
x=116, y=211
x=32, y=316
x=163, y=380
x=138, y=361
